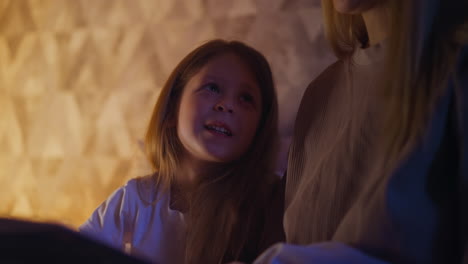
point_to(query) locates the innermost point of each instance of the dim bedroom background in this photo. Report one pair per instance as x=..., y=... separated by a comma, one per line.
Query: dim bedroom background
x=79, y=78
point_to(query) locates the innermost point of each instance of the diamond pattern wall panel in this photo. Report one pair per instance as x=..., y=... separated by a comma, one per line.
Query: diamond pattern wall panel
x=78, y=80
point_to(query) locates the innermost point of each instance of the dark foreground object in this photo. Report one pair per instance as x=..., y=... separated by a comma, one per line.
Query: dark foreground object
x=28, y=242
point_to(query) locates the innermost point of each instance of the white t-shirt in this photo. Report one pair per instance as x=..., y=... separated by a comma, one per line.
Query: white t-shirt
x=138, y=220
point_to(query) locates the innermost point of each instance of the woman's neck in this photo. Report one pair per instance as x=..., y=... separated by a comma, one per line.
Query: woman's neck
x=377, y=20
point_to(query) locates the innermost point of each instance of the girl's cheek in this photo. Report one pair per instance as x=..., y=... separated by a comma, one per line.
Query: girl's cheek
x=247, y=106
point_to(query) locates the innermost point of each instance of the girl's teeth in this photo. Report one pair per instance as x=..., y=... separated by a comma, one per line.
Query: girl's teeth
x=220, y=129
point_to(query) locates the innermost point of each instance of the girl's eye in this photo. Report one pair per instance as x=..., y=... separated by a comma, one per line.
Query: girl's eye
x=247, y=98
x=212, y=87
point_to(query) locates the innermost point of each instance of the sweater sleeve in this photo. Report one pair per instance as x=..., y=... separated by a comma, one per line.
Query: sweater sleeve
x=463, y=119
x=322, y=253
x=107, y=223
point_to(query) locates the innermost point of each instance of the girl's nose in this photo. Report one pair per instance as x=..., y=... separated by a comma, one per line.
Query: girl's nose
x=223, y=107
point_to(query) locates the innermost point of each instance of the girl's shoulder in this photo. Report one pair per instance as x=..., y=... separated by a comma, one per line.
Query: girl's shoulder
x=144, y=189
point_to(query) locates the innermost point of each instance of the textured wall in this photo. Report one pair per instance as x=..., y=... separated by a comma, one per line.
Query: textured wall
x=78, y=80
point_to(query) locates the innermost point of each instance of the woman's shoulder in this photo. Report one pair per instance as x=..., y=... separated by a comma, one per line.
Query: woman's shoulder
x=319, y=92
x=323, y=85
x=330, y=73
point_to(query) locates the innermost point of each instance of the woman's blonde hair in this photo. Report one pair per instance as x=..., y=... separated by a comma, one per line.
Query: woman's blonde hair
x=344, y=31
x=214, y=234
x=425, y=38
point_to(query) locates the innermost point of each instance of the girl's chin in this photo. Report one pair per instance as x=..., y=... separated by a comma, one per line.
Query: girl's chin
x=217, y=157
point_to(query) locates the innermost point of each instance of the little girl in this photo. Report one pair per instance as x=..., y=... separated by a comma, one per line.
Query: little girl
x=213, y=197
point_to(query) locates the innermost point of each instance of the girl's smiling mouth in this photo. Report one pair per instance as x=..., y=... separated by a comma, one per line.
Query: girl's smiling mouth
x=219, y=128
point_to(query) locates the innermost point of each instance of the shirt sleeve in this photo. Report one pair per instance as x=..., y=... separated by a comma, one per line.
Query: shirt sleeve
x=107, y=222
x=322, y=253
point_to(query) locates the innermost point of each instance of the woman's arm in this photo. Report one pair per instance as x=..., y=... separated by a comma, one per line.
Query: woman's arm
x=322, y=253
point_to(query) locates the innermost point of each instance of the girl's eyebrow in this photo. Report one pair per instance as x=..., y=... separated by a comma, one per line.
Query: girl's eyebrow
x=254, y=88
x=251, y=89
x=210, y=77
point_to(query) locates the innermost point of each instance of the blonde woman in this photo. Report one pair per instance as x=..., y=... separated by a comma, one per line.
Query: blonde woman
x=378, y=165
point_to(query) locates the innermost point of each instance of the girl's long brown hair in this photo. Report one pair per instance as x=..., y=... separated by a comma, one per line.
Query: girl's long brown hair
x=424, y=42
x=224, y=208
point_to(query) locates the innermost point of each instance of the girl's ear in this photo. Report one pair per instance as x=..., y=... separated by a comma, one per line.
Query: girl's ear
x=172, y=120
x=173, y=124
x=173, y=111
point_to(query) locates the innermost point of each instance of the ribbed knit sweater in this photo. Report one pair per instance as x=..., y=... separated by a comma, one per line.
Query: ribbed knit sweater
x=334, y=191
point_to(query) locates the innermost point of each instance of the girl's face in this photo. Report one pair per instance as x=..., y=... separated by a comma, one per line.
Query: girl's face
x=354, y=6
x=219, y=111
